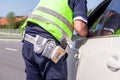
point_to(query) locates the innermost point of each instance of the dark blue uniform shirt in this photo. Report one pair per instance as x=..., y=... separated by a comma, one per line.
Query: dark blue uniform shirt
x=113, y=23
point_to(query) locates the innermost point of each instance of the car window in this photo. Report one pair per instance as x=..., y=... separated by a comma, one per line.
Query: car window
x=109, y=22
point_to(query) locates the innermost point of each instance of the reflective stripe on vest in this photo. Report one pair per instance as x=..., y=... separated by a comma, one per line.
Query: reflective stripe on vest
x=64, y=20
x=54, y=20
x=36, y=17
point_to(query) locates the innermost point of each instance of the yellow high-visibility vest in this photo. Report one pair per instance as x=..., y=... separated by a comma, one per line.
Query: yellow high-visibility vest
x=55, y=16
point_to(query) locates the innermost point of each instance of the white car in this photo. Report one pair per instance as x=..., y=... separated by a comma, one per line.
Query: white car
x=98, y=57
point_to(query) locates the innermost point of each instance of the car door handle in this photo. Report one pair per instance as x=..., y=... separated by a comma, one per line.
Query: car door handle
x=113, y=63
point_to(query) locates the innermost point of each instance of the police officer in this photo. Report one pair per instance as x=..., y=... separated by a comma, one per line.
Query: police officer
x=55, y=21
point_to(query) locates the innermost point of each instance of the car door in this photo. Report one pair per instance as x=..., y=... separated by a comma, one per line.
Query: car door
x=99, y=56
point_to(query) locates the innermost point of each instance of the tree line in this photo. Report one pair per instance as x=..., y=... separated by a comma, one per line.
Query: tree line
x=13, y=24
x=11, y=20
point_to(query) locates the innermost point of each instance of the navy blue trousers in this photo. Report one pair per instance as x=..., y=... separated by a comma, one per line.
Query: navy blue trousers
x=38, y=67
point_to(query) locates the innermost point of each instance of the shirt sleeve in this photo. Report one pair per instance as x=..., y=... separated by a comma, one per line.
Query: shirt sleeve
x=112, y=23
x=80, y=10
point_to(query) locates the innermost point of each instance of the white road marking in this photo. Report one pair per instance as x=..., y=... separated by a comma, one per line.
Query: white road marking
x=11, y=49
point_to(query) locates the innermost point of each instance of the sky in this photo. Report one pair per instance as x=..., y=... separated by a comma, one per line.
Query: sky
x=24, y=7
x=93, y=3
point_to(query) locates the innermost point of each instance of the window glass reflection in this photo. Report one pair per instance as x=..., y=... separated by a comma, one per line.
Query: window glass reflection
x=109, y=21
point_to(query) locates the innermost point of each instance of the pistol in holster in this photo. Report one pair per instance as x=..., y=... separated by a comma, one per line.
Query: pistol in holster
x=53, y=52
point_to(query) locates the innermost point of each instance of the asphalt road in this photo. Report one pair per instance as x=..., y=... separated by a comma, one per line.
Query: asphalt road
x=12, y=64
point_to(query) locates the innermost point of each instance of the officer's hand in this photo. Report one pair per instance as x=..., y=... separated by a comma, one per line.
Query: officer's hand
x=81, y=27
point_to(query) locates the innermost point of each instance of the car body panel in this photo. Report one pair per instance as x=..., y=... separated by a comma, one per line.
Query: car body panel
x=95, y=57
x=99, y=56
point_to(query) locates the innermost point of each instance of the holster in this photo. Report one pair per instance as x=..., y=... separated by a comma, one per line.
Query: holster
x=53, y=52
x=46, y=47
